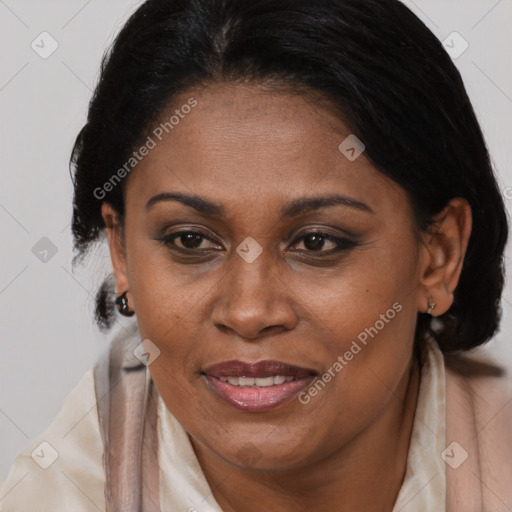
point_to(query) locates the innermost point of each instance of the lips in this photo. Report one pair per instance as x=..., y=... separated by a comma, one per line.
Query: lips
x=259, y=386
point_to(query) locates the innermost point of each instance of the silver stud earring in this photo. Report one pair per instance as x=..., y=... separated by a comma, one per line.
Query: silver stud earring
x=431, y=305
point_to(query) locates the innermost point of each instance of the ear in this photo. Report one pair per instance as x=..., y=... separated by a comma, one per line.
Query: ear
x=442, y=256
x=116, y=244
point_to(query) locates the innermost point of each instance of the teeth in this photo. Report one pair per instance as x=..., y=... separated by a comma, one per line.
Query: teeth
x=259, y=382
x=263, y=382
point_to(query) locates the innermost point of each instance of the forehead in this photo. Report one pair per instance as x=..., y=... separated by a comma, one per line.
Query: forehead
x=242, y=143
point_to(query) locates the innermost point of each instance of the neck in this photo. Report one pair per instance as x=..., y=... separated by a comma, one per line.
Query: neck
x=365, y=475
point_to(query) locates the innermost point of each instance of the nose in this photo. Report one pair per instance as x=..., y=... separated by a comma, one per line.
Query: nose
x=253, y=300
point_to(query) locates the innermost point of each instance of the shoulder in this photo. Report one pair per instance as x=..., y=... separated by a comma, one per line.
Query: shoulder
x=479, y=419
x=487, y=381
x=479, y=379
x=61, y=469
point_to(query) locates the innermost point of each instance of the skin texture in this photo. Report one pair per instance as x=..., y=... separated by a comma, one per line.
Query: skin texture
x=253, y=152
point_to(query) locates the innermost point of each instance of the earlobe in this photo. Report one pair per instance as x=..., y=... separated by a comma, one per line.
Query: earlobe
x=443, y=251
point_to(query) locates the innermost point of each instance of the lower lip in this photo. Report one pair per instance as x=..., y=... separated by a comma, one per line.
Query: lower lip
x=257, y=399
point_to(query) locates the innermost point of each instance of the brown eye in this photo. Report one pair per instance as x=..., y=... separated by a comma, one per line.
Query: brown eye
x=324, y=243
x=187, y=241
x=190, y=240
x=316, y=242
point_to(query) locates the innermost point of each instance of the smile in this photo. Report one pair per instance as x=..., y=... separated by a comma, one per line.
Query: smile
x=257, y=387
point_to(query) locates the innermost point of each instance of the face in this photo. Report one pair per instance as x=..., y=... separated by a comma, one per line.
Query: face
x=257, y=253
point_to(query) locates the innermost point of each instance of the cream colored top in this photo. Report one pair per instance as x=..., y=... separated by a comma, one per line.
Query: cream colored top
x=62, y=470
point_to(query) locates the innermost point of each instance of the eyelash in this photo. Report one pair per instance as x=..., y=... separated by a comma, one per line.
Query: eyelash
x=343, y=243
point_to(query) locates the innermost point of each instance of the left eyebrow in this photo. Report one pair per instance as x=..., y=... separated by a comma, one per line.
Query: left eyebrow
x=308, y=204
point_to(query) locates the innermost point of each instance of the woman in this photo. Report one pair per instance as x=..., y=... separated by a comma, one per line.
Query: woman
x=307, y=234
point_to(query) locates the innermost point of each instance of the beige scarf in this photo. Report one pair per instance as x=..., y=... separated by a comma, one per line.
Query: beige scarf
x=127, y=399
x=478, y=421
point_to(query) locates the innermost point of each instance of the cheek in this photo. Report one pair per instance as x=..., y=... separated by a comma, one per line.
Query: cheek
x=167, y=313
x=374, y=289
x=366, y=319
x=161, y=297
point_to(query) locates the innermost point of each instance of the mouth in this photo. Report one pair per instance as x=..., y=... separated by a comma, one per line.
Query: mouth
x=257, y=387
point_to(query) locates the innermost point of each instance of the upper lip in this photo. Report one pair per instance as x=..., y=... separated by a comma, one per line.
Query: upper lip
x=259, y=369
